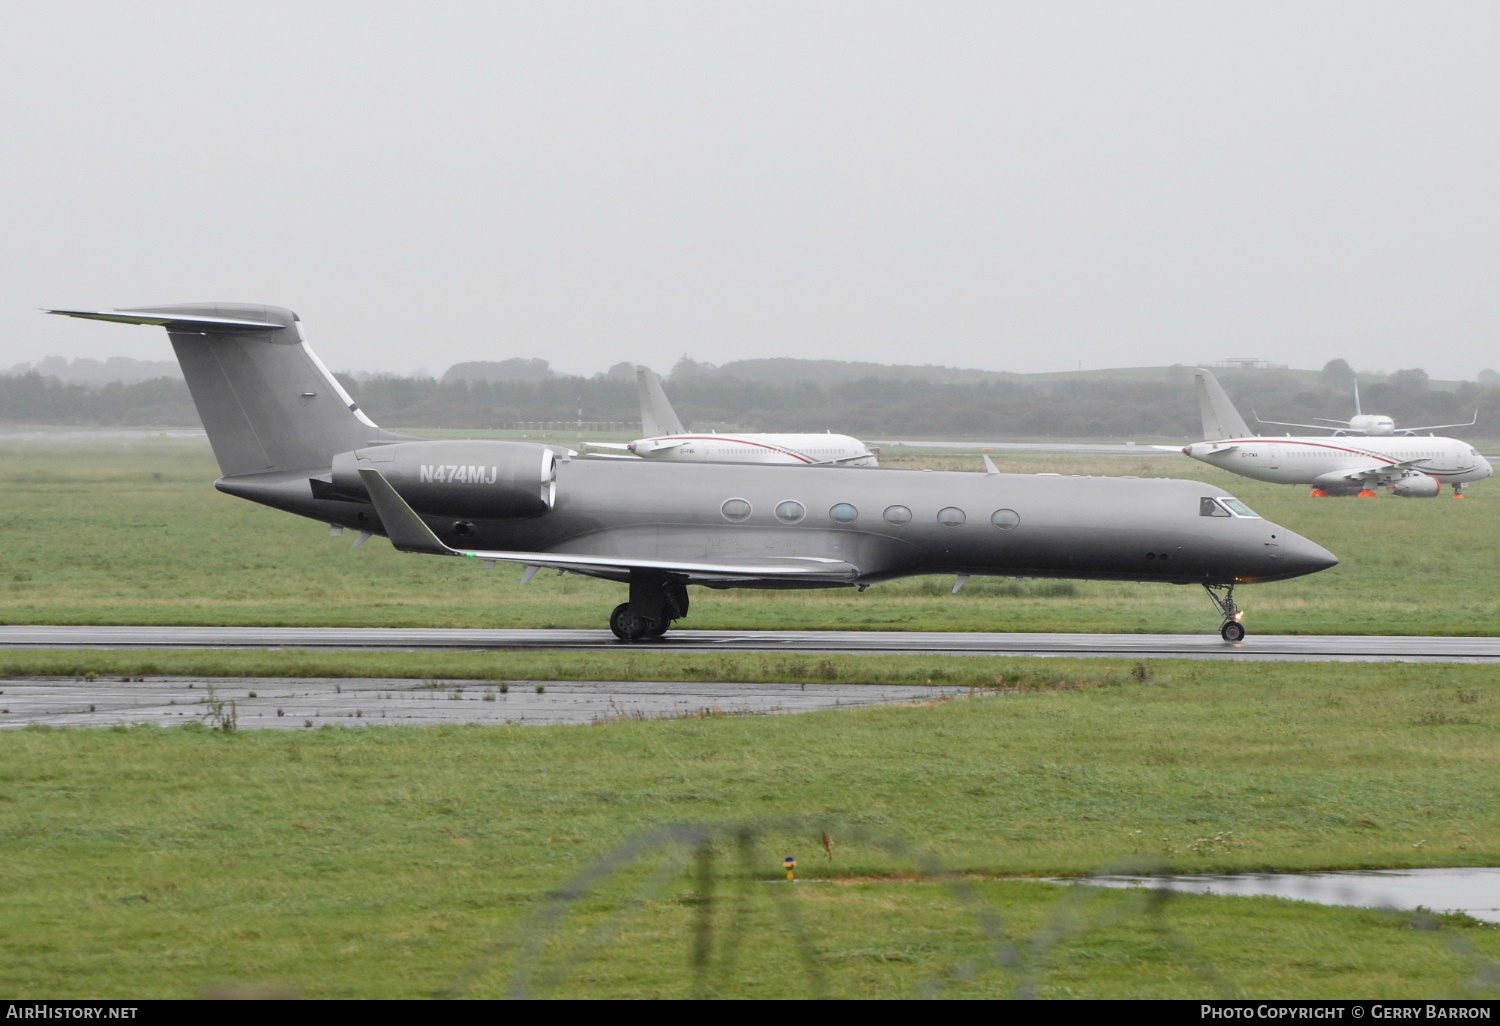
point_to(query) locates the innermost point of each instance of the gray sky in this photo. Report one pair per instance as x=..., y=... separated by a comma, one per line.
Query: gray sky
x=1014, y=186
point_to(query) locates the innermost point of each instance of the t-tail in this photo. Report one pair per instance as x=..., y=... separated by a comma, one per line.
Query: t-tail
x=1220, y=418
x=657, y=416
x=266, y=400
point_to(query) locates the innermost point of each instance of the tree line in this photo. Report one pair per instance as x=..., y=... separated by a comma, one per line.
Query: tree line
x=1076, y=407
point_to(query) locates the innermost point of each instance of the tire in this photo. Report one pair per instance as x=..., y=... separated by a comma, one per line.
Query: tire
x=633, y=628
x=1232, y=632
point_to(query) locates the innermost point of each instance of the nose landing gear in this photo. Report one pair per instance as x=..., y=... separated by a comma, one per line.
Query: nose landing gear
x=1222, y=596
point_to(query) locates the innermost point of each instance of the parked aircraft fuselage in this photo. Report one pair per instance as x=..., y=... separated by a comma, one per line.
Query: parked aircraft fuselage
x=1322, y=461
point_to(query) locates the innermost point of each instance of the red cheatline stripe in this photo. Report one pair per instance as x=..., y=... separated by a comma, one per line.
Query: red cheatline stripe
x=736, y=441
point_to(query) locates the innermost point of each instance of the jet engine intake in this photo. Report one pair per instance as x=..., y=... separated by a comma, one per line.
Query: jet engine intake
x=1416, y=485
x=486, y=480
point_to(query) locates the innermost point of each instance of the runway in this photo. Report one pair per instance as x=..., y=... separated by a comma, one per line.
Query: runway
x=1284, y=647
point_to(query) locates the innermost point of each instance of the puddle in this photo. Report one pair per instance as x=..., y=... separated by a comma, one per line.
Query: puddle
x=1474, y=891
x=289, y=703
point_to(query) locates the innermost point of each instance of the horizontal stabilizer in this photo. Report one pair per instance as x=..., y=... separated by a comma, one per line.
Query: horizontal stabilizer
x=409, y=533
x=171, y=322
x=653, y=445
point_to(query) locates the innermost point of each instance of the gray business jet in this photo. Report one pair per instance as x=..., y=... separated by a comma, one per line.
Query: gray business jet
x=288, y=436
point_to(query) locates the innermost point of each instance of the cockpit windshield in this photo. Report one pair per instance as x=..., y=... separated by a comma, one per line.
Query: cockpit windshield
x=1224, y=506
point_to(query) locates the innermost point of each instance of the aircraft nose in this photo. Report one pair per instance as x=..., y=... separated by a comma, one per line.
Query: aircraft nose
x=1299, y=556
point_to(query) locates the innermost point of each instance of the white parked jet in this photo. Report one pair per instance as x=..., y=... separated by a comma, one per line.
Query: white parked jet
x=1407, y=465
x=1364, y=423
x=667, y=439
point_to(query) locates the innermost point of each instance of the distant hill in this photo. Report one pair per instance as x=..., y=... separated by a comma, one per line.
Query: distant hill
x=789, y=370
x=515, y=369
x=86, y=371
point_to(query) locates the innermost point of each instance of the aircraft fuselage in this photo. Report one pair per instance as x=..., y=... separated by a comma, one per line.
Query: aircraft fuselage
x=886, y=523
x=1312, y=460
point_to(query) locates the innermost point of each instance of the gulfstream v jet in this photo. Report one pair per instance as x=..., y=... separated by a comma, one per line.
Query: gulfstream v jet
x=287, y=436
x=667, y=439
x=1414, y=466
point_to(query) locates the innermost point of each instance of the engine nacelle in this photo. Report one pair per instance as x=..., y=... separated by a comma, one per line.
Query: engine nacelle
x=1416, y=485
x=480, y=479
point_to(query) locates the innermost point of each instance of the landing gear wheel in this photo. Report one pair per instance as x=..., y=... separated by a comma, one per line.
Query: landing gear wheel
x=635, y=628
x=625, y=626
x=1232, y=631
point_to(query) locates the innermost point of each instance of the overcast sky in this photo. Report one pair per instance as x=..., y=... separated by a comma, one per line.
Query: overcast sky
x=1014, y=186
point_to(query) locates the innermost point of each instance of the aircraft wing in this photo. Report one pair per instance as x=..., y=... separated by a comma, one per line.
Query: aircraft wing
x=409, y=533
x=1384, y=472
x=842, y=460
x=1437, y=427
x=1332, y=425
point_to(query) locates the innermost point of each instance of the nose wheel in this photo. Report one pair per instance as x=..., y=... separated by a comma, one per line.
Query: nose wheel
x=1222, y=596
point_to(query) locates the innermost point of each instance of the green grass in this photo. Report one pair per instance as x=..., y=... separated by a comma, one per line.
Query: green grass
x=384, y=862
x=133, y=532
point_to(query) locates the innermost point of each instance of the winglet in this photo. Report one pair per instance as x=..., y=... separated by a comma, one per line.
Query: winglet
x=402, y=526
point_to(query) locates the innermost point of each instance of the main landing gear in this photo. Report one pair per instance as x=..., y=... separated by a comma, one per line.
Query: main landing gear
x=655, y=601
x=1222, y=596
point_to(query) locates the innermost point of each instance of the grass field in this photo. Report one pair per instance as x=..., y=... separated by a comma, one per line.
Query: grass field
x=386, y=862
x=133, y=532
x=411, y=862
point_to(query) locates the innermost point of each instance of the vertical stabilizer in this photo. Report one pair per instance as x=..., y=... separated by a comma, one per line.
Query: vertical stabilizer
x=1357, y=411
x=1220, y=418
x=265, y=399
x=657, y=416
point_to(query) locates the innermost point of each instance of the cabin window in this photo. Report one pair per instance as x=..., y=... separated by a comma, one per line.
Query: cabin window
x=952, y=516
x=897, y=515
x=843, y=513
x=736, y=510
x=1209, y=508
x=1237, y=507
x=790, y=512
x=1005, y=519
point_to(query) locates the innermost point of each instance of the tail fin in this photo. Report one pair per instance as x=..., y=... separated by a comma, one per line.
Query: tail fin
x=1357, y=411
x=266, y=400
x=657, y=416
x=1220, y=418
